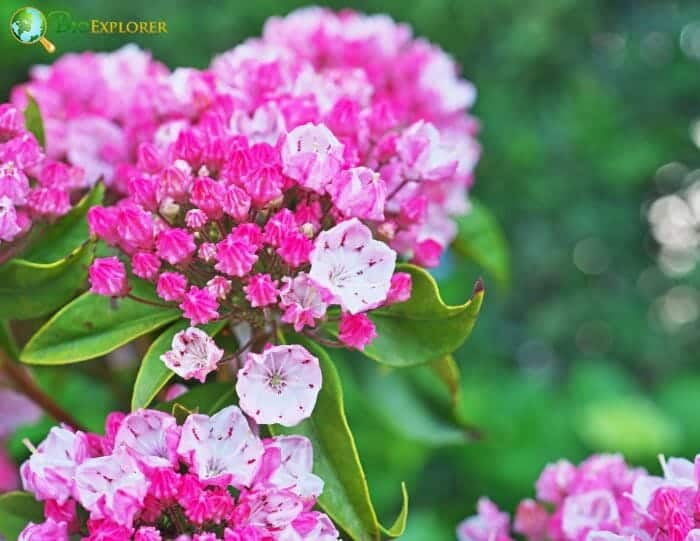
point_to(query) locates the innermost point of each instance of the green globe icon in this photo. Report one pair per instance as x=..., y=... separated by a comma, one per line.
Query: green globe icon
x=28, y=25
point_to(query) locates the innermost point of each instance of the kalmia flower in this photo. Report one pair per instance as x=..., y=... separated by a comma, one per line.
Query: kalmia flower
x=193, y=355
x=279, y=385
x=156, y=470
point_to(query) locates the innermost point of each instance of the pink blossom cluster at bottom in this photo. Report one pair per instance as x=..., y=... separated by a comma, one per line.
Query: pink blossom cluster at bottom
x=150, y=479
x=603, y=499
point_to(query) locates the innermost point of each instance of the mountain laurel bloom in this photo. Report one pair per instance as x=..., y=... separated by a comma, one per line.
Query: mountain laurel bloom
x=108, y=277
x=602, y=499
x=279, y=385
x=129, y=483
x=193, y=354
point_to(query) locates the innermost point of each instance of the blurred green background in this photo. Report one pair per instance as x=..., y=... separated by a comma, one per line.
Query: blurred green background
x=588, y=112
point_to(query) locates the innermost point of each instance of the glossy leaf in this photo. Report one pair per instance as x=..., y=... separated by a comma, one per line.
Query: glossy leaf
x=33, y=121
x=153, y=375
x=423, y=328
x=481, y=239
x=345, y=496
x=207, y=399
x=93, y=325
x=447, y=370
x=17, y=509
x=392, y=391
x=67, y=233
x=29, y=289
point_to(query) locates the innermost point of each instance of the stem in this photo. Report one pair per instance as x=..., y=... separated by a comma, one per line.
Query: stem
x=26, y=385
x=323, y=341
x=146, y=301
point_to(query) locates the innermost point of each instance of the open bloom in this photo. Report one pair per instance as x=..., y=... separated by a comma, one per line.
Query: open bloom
x=279, y=385
x=150, y=435
x=221, y=449
x=312, y=156
x=111, y=487
x=353, y=266
x=193, y=355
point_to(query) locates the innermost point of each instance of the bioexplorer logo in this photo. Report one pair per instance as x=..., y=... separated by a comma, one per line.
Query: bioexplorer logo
x=28, y=25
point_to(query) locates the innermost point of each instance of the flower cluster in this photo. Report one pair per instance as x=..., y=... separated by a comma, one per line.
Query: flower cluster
x=150, y=479
x=33, y=187
x=603, y=499
x=96, y=107
x=291, y=175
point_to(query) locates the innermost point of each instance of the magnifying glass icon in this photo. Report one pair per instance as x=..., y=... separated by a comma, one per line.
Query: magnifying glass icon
x=28, y=25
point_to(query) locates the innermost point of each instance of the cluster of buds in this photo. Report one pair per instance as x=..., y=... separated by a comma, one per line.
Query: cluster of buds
x=33, y=187
x=603, y=499
x=293, y=174
x=150, y=479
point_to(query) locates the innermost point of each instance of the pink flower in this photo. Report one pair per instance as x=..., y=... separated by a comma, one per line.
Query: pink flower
x=236, y=202
x=151, y=436
x=193, y=355
x=295, y=248
x=235, y=256
x=400, y=289
x=175, y=245
x=219, y=286
x=356, y=331
x=531, y=520
x=143, y=191
x=49, y=202
x=221, y=449
x=108, y=277
x=359, y=192
x=134, y=228
x=49, y=473
x=147, y=533
x=287, y=465
x=279, y=385
x=302, y=300
x=171, y=286
x=111, y=487
x=427, y=253
x=14, y=184
x=46, y=531
x=208, y=195
x=312, y=156
x=199, y=306
x=107, y=530
x=593, y=510
x=261, y=290
x=281, y=225
x=424, y=155
x=145, y=265
x=103, y=224
x=311, y=526
x=196, y=219
x=555, y=481
x=353, y=266
x=269, y=510
x=207, y=251
x=8, y=220
x=489, y=525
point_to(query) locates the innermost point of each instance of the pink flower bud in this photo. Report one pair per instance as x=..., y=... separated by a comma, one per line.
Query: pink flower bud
x=108, y=277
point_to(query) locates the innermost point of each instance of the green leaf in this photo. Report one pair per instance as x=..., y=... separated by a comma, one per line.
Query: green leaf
x=93, y=325
x=17, y=509
x=390, y=392
x=423, y=328
x=345, y=496
x=447, y=370
x=33, y=120
x=208, y=399
x=67, y=233
x=153, y=375
x=481, y=239
x=29, y=289
x=398, y=528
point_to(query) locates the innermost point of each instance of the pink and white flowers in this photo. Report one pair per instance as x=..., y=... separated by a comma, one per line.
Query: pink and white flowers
x=146, y=470
x=602, y=499
x=279, y=385
x=193, y=355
